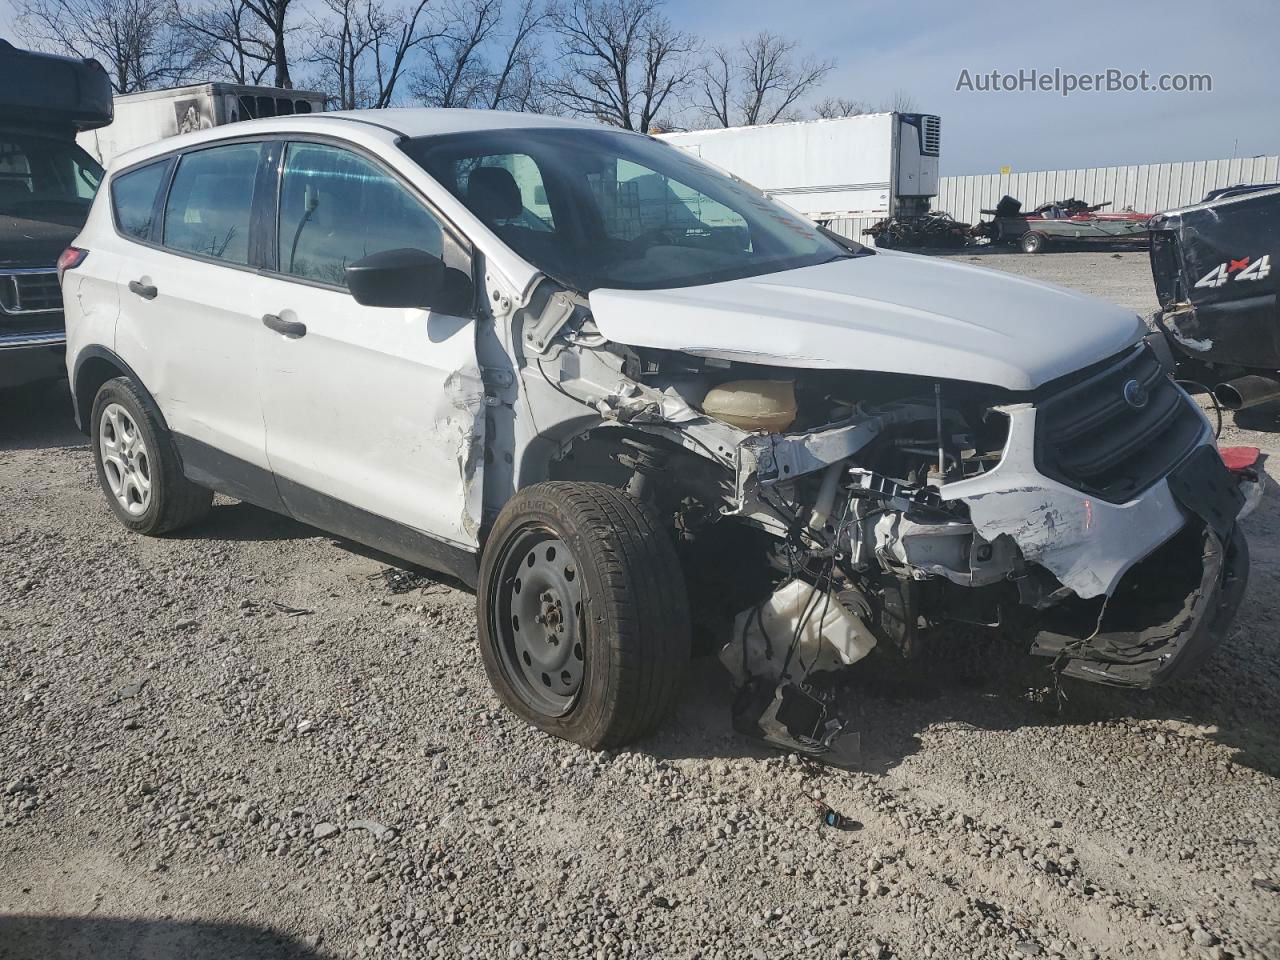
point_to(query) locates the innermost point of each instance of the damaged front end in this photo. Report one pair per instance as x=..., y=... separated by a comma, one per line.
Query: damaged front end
x=823, y=513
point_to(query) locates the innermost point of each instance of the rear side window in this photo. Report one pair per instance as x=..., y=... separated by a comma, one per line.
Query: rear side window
x=211, y=200
x=337, y=207
x=133, y=197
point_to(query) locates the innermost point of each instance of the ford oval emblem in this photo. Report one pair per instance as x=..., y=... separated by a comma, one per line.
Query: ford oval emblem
x=1135, y=394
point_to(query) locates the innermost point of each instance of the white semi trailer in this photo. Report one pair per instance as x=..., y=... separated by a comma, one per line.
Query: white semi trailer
x=155, y=114
x=865, y=167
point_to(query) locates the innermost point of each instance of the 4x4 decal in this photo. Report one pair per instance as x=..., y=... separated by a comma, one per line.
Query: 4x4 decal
x=1244, y=269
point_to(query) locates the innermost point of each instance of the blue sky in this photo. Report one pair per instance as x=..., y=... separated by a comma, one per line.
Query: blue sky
x=921, y=46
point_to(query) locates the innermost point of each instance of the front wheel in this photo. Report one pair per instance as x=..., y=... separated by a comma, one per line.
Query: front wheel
x=584, y=620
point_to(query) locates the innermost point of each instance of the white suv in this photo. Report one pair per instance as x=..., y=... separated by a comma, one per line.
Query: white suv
x=631, y=399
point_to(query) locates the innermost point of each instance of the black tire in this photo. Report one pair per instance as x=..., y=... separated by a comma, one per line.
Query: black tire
x=1033, y=242
x=632, y=625
x=174, y=501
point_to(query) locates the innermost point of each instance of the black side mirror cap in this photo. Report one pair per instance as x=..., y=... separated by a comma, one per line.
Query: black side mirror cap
x=405, y=277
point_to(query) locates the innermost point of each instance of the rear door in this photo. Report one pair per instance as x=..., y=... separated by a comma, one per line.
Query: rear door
x=373, y=415
x=190, y=316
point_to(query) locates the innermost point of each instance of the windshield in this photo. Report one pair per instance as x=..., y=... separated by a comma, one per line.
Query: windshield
x=44, y=178
x=610, y=209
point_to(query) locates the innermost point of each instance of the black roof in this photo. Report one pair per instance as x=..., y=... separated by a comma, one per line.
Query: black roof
x=52, y=92
x=1236, y=190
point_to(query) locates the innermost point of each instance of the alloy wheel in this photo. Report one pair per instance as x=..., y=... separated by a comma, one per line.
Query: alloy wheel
x=126, y=462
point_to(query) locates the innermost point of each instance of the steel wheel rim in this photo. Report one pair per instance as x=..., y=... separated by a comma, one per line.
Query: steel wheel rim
x=126, y=462
x=537, y=615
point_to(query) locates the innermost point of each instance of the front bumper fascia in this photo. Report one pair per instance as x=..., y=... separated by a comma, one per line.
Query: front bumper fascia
x=1186, y=640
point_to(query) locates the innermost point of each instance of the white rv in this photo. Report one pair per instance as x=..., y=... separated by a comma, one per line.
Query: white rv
x=146, y=117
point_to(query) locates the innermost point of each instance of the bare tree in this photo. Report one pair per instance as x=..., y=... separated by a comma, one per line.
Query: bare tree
x=390, y=59
x=362, y=49
x=136, y=40
x=901, y=101
x=226, y=29
x=345, y=35
x=481, y=55
x=772, y=80
x=622, y=60
x=833, y=107
x=715, y=86
x=249, y=37
x=515, y=84
x=274, y=18
x=456, y=74
x=759, y=82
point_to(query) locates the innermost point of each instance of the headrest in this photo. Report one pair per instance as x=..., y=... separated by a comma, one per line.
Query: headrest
x=492, y=194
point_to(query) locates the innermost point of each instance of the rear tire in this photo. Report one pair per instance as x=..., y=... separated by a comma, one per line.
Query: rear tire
x=584, y=619
x=1033, y=242
x=138, y=465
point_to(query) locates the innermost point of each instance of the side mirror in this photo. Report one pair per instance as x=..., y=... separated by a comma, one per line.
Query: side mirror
x=397, y=278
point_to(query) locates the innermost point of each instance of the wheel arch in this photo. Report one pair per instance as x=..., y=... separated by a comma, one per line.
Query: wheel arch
x=579, y=454
x=94, y=366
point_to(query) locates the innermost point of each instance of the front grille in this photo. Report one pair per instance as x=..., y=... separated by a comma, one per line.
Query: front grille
x=1091, y=437
x=932, y=145
x=29, y=291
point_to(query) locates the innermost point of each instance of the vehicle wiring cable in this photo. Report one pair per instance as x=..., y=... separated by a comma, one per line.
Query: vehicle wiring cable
x=811, y=603
x=1217, y=407
x=1070, y=649
x=557, y=388
x=793, y=543
x=826, y=598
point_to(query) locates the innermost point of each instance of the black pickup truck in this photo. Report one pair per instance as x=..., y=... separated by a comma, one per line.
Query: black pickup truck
x=46, y=185
x=1217, y=288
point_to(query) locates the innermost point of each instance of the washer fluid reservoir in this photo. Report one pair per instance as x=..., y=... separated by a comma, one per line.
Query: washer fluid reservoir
x=756, y=405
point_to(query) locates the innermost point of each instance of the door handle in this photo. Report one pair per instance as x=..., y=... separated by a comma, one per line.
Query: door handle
x=147, y=291
x=290, y=328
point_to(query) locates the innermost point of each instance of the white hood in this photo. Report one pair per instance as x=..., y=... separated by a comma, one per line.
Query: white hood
x=892, y=313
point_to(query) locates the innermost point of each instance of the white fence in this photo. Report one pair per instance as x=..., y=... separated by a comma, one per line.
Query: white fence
x=1147, y=188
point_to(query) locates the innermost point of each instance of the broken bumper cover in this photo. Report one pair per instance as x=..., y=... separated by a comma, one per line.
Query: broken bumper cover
x=1156, y=580
x=1086, y=542
x=1168, y=649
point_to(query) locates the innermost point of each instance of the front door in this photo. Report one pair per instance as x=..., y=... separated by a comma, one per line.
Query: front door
x=374, y=416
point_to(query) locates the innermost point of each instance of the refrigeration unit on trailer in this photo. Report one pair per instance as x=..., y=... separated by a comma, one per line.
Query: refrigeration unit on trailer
x=870, y=166
x=142, y=118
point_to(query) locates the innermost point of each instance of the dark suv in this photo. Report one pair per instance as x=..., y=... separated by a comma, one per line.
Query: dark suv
x=46, y=186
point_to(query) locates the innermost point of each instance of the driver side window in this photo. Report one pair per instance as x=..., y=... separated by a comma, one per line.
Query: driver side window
x=336, y=207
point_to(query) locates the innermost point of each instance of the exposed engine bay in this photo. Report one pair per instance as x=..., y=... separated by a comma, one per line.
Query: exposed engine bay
x=822, y=513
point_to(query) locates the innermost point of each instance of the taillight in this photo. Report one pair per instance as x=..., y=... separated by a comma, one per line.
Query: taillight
x=69, y=259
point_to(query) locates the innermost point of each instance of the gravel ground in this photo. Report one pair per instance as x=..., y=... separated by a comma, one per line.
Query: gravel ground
x=244, y=742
